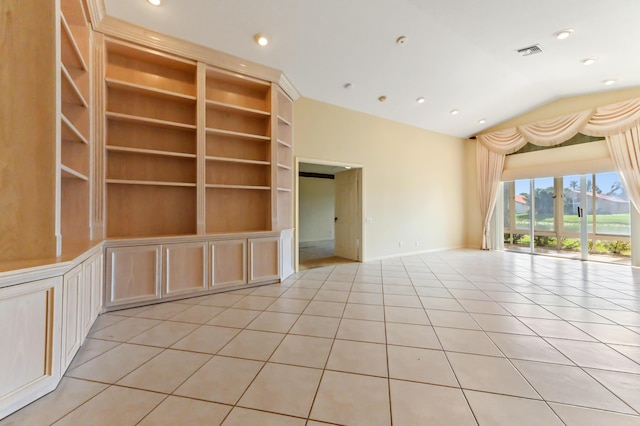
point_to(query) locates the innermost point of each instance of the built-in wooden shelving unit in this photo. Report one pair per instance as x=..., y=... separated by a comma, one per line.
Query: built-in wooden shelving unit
x=75, y=123
x=210, y=148
x=151, y=142
x=237, y=152
x=132, y=157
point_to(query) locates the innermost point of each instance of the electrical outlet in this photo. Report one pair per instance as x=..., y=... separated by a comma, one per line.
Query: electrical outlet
x=417, y=243
x=399, y=243
x=369, y=220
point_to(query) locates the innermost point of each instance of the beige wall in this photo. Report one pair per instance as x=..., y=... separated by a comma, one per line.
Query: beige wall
x=317, y=209
x=414, y=180
x=473, y=219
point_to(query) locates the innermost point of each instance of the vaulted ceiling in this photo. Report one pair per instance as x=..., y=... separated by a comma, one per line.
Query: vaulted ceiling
x=458, y=55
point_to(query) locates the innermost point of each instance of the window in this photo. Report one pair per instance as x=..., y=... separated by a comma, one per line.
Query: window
x=554, y=207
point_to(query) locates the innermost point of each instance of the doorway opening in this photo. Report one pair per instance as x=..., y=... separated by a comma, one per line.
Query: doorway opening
x=329, y=213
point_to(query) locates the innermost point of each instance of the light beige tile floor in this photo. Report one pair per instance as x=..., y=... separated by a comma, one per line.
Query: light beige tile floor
x=453, y=338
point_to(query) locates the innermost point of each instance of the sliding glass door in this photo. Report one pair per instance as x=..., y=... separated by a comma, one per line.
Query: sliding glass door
x=518, y=221
x=544, y=208
x=578, y=216
x=574, y=220
x=610, y=221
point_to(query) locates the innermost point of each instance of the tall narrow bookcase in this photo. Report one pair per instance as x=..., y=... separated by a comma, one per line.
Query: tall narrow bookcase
x=238, y=153
x=284, y=161
x=151, y=142
x=75, y=123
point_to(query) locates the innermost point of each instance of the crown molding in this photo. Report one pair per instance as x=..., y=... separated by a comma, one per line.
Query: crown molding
x=97, y=11
x=288, y=87
x=118, y=28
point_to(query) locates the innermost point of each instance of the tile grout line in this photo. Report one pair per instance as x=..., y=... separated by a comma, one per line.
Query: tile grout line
x=386, y=341
x=453, y=371
x=326, y=363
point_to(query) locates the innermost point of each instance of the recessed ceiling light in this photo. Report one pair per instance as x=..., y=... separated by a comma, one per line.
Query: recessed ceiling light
x=562, y=34
x=420, y=100
x=261, y=39
x=382, y=98
x=454, y=112
x=589, y=61
x=401, y=40
x=609, y=82
x=347, y=167
x=154, y=2
x=482, y=121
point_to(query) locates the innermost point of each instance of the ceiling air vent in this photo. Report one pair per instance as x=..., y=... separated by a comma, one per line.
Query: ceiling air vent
x=531, y=50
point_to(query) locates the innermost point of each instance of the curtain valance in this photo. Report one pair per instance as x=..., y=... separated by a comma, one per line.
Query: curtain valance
x=556, y=131
x=604, y=121
x=503, y=141
x=614, y=119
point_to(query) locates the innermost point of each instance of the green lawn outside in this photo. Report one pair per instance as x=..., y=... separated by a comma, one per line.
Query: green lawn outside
x=616, y=224
x=618, y=248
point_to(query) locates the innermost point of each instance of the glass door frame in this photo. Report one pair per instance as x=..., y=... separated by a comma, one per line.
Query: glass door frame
x=584, y=230
x=556, y=205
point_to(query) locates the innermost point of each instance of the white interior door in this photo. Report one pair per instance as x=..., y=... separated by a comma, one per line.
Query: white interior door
x=347, y=235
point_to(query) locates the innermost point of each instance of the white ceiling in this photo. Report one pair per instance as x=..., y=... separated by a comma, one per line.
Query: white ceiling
x=459, y=53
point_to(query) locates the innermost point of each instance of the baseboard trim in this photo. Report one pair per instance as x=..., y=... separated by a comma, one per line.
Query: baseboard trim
x=412, y=253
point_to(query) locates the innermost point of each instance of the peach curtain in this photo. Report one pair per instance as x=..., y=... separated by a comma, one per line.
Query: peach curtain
x=554, y=132
x=619, y=123
x=503, y=141
x=625, y=152
x=614, y=119
x=543, y=133
x=490, y=165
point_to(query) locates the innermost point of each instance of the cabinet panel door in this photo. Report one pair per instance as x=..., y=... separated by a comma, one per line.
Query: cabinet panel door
x=185, y=268
x=30, y=339
x=92, y=295
x=72, y=308
x=133, y=274
x=228, y=263
x=264, y=262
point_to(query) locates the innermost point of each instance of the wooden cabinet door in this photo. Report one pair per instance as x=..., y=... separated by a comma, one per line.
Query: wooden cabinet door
x=72, y=309
x=134, y=275
x=264, y=259
x=30, y=339
x=228, y=263
x=92, y=297
x=185, y=268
